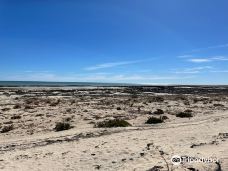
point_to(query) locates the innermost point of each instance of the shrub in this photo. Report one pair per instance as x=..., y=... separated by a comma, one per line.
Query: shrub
x=7, y=129
x=118, y=108
x=188, y=111
x=133, y=93
x=164, y=117
x=154, y=120
x=159, y=112
x=29, y=101
x=16, y=117
x=55, y=103
x=19, y=92
x=156, y=99
x=195, y=100
x=218, y=105
x=72, y=101
x=5, y=109
x=112, y=123
x=155, y=168
x=68, y=110
x=61, y=126
x=68, y=119
x=29, y=107
x=186, y=102
x=17, y=106
x=185, y=114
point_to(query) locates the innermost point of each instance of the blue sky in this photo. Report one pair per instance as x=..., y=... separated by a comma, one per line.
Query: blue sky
x=126, y=41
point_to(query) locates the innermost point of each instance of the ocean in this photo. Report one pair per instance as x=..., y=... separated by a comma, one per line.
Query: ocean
x=56, y=84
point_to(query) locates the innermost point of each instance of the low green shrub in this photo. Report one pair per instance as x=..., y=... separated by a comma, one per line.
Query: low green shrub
x=7, y=128
x=62, y=126
x=185, y=114
x=154, y=120
x=112, y=123
x=159, y=112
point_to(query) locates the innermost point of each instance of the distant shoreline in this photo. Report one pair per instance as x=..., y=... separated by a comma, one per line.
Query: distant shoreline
x=90, y=84
x=59, y=84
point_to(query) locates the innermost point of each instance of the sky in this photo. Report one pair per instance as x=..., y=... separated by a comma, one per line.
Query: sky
x=119, y=41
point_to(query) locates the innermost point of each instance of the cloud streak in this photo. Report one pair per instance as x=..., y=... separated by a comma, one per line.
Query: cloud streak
x=210, y=47
x=94, y=77
x=219, y=71
x=199, y=60
x=194, y=70
x=114, y=64
x=211, y=59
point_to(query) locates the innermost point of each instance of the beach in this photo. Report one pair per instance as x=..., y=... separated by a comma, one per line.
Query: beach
x=124, y=128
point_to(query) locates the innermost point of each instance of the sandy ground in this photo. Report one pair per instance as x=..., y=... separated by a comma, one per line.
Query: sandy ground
x=33, y=144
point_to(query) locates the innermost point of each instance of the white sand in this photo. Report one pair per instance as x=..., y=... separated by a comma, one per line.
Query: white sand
x=140, y=147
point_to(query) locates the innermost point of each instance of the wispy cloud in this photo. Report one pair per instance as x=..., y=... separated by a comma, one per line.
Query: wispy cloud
x=32, y=71
x=114, y=64
x=194, y=70
x=94, y=77
x=210, y=47
x=185, y=56
x=211, y=59
x=147, y=78
x=199, y=60
x=220, y=58
x=219, y=71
